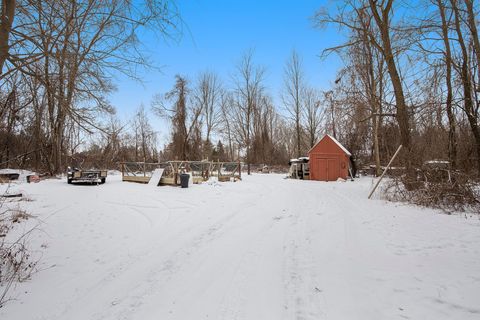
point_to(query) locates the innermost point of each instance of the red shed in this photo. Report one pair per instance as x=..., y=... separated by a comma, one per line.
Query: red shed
x=329, y=160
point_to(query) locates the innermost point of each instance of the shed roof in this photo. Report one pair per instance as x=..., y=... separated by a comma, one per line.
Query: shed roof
x=336, y=142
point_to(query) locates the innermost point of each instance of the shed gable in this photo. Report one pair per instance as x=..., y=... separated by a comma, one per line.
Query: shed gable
x=329, y=144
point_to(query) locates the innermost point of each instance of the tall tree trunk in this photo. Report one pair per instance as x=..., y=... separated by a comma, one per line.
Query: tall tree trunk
x=376, y=145
x=6, y=22
x=297, y=117
x=37, y=132
x=136, y=144
x=312, y=137
x=375, y=102
x=299, y=149
x=402, y=116
x=472, y=25
x=452, y=141
x=332, y=113
x=248, y=150
x=467, y=84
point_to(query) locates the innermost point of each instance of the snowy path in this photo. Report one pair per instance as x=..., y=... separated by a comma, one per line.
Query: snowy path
x=263, y=248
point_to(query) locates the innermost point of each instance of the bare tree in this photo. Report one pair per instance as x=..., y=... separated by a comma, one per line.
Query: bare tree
x=332, y=112
x=208, y=96
x=313, y=115
x=369, y=64
x=184, y=116
x=452, y=141
x=382, y=13
x=248, y=91
x=226, y=106
x=472, y=21
x=145, y=137
x=292, y=97
x=471, y=110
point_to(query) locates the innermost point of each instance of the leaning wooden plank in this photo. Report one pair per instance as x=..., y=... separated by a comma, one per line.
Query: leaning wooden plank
x=156, y=176
x=381, y=177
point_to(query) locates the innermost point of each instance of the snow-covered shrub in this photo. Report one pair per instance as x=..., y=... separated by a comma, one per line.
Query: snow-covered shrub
x=16, y=263
x=457, y=192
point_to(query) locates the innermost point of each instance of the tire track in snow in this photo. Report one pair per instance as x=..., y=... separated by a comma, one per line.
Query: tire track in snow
x=164, y=271
x=237, y=294
x=207, y=238
x=302, y=296
x=123, y=268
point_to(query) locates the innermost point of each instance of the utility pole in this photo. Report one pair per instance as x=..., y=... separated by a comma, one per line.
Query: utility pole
x=329, y=96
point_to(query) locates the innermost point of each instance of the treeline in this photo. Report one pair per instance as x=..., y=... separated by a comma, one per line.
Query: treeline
x=411, y=77
x=57, y=60
x=239, y=113
x=226, y=119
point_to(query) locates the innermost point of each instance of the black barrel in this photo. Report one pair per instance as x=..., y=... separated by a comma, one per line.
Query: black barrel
x=184, y=180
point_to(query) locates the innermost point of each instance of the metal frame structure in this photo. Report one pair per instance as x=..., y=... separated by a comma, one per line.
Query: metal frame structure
x=141, y=172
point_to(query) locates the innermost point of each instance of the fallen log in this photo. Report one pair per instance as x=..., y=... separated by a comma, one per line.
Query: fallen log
x=13, y=195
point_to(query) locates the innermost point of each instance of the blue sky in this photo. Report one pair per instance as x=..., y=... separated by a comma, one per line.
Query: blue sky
x=216, y=35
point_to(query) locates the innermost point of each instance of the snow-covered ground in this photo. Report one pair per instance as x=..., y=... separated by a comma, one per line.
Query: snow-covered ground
x=263, y=248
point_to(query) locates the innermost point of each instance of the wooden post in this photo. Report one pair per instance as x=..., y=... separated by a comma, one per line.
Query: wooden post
x=175, y=169
x=351, y=174
x=239, y=170
x=386, y=169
